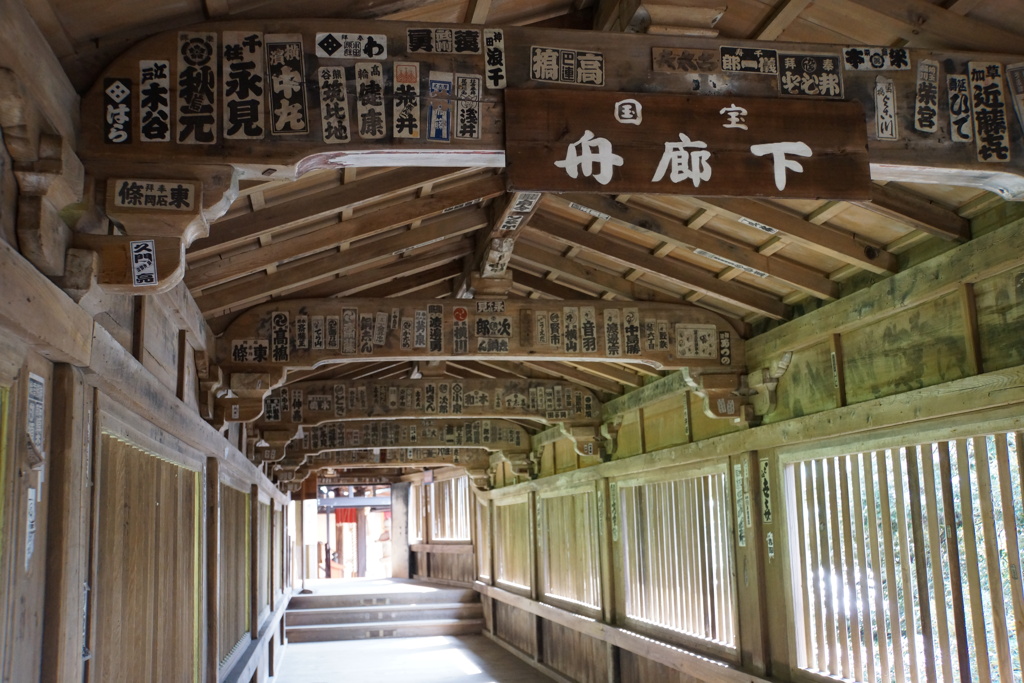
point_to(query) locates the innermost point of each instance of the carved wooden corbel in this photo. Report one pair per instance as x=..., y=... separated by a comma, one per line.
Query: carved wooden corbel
x=763, y=385
x=724, y=395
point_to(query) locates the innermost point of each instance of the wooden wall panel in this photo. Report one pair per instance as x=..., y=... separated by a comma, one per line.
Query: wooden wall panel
x=145, y=612
x=22, y=576
x=565, y=458
x=488, y=609
x=704, y=427
x=453, y=567
x=516, y=627
x=161, y=344
x=636, y=669
x=263, y=555
x=234, y=570
x=911, y=349
x=1000, y=304
x=630, y=437
x=665, y=423
x=573, y=654
x=807, y=386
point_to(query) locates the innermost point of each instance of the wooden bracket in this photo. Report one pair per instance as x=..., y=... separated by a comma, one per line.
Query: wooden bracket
x=724, y=395
x=763, y=385
x=610, y=437
x=134, y=265
x=235, y=409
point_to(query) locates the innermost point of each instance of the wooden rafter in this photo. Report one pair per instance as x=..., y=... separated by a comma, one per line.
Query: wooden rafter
x=733, y=293
x=365, y=192
x=361, y=227
x=678, y=234
x=328, y=267
x=834, y=242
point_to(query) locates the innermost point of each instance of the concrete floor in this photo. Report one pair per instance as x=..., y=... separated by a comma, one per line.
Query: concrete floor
x=434, y=659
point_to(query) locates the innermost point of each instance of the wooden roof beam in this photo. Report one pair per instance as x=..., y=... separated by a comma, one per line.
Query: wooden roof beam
x=918, y=211
x=576, y=375
x=679, y=234
x=237, y=230
x=839, y=244
x=434, y=265
x=952, y=29
x=360, y=227
x=287, y=280
x=588, y=278
x=553, y=288
x=733, y=293
x=616, y=373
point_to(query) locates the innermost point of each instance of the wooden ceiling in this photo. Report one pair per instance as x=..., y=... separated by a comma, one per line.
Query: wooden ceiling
x=379, y=232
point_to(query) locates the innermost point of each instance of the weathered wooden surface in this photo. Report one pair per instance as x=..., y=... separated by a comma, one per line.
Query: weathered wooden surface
x=326, y=401
x=680, y=144
x=130, y=591
x=275, y=336
x=624, y=62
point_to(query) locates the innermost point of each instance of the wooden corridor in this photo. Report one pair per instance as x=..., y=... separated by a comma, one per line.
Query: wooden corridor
x=426, y=659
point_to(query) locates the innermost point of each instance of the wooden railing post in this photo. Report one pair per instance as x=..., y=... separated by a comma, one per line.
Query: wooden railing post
x=212, y=568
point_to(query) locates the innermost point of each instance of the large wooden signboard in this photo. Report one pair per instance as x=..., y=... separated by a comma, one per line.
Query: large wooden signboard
x=472, y=458
x=278, y=98
x=490, y=435
x=307, y=333
x=657, y=143
x=315, y=402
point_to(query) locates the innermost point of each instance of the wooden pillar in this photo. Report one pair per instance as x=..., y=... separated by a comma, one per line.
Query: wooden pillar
x=360, y=541
x=212, y=568
x=750, y=564
x=67, y=546
x=254, y=561
x=400, y=530
x=609, y=580
x=537, y=573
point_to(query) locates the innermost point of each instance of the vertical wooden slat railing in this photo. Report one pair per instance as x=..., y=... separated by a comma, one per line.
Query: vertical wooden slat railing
x=920, y=563
x=982, y=670
x=907, y=558
x=1009, y=518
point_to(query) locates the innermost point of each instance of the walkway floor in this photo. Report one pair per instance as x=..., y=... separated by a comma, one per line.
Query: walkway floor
x=431, y=659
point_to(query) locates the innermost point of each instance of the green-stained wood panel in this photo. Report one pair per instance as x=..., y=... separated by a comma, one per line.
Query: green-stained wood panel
x=565, y=456
x=1000, y=304
x=808, y=385
x=913, y=348
x=630, y=437
x=704, y=427
x=665, y=423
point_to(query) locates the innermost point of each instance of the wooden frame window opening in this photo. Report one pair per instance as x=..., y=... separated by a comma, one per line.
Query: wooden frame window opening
x=906, y=561
x=678, y=565
x=569, y=548
x=512, y=540
x=449, y=510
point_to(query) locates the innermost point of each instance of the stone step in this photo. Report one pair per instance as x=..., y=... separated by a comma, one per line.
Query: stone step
x=429, y=597
x=361, y=614
x=387, y=629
